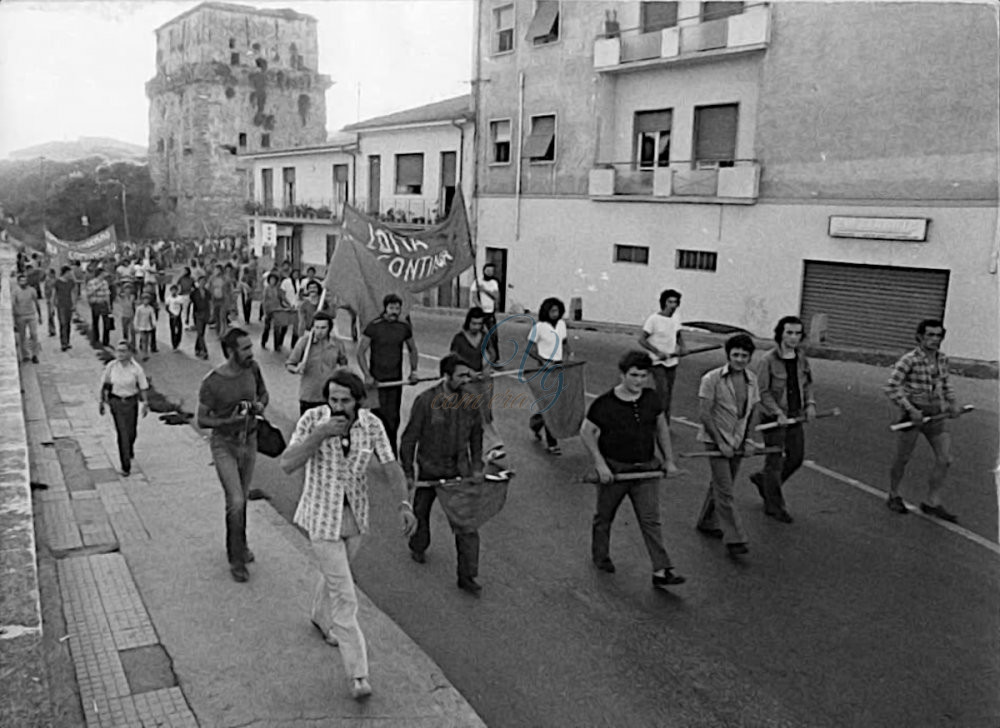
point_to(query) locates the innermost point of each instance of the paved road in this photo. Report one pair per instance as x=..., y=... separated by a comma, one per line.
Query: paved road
x=852, y=616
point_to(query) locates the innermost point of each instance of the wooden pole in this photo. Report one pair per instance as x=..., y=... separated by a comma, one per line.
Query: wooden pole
x=933, y=418
x=835, y=412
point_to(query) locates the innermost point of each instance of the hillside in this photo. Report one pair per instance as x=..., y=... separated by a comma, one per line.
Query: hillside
x=110, y=149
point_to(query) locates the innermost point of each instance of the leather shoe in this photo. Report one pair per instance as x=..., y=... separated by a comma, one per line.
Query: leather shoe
x=896, y=505
x=605, y=565
x=240, y=573
x=710, y=532
x=470, y=585
x=418, y=556
x=737, y=549
x=938, y=512
x=669, y=578
x=782, y=515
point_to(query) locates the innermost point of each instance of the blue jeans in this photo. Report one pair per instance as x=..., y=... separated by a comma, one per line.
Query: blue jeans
x=234, y=462
x=645, y=497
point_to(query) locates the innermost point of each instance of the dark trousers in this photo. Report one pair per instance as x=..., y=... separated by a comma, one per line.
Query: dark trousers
x=99, y=321
x=65, y=322
x=247, y=305
x=645, y=497
x=466, y=542
x=125, y=413
x=234, y=463
x=176, y=330
x=779, y=467
x=50, y=316
x=537, y=423
x=390, y=399
x=492, y=346
x=663, y=380
x=200, y=322
x=279, y=332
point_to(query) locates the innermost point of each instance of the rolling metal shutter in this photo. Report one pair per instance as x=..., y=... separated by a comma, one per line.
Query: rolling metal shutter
x=872, y=307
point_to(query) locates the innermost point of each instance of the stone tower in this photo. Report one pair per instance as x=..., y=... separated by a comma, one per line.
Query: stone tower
x=229, y=79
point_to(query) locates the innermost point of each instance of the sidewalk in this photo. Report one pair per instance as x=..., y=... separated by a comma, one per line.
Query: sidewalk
x=158, y=632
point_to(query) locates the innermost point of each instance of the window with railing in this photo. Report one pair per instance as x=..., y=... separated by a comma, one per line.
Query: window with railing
x=340, y=184
x=652, y=138
x=503, y=29
x=288, y=186
x=500, y=141
x=715, y=135
x=632, y=254
x=541, y=144
x=697, y=260
x=267, y=187
x=544, y=26
x=409, y=174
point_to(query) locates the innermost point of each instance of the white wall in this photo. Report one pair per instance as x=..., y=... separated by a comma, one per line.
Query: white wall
x=313, y=176
x=566, y=249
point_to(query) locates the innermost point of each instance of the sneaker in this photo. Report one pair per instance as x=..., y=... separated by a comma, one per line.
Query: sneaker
x=470, y=585
x=938, y=512
x=240, y=573
x=361, y=689
x=499, y=476
x=896, y=505
x=496, y=453
x=669, y=578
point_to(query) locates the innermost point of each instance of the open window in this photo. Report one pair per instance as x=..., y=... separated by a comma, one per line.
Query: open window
x=541, y=144
x=655, y=16
x=544, y=26
x=717, y=10
x=288, y=186
x=267, y=187
x=652, y=138
x=500, y=141
x=503, y=29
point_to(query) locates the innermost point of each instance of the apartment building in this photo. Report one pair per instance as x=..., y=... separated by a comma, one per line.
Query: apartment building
x=834, y=160
x=404, y=168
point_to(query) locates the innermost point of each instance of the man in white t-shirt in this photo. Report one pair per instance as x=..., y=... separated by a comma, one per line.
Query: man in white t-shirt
x=485, y=292
x=661, y=336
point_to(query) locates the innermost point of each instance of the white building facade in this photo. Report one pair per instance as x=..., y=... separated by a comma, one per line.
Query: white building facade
x=832, y=160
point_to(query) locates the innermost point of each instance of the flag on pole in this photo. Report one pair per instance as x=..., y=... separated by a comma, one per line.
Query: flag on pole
x=373, y=259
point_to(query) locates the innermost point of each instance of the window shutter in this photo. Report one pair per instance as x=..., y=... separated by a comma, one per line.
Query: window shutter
x=716, y=133
x=652, y=121
x=543, y=129
x=501, y=131
x=544, y=20
x=340, y=173
x=410, y=169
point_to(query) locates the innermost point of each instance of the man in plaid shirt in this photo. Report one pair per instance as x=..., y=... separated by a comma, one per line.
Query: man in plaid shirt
x=919, y=384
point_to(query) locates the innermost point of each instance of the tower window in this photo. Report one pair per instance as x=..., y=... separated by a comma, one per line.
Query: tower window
x=265, y=141
x=234, y=59
x=243, y=141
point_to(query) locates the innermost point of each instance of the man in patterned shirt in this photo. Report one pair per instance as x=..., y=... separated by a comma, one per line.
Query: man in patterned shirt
x=919, y=384
x=335, y=444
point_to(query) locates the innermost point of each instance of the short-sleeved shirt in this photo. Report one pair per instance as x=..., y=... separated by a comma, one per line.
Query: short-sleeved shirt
x=548, y=339
x=333, y=477
x=222, y=394
x=488, y=286
x=662, y=332
x=126, y=379
x=628, y=429
x=471, y=354
x=387, y=337
x=25, y=300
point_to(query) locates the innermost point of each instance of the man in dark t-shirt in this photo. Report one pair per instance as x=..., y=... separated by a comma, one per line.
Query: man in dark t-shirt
x=623, y=428
x=231, y=397
x=385, y=336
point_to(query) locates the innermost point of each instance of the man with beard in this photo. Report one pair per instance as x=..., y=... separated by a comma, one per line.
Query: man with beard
x=231, y=397
x=335, y=443
x=325, y=356
x=385, y=337
x=447, y=439
x=920, y=386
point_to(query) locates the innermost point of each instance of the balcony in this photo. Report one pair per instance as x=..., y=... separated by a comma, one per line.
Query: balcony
x=314, y=211
x=681, y=182
x=633, y=50
x=406, y=211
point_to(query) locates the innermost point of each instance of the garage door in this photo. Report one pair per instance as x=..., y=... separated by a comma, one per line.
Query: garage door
x=872, y=307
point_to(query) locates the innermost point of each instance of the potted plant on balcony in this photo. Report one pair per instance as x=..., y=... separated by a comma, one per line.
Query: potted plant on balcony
x=251, y=208
x=324, y=212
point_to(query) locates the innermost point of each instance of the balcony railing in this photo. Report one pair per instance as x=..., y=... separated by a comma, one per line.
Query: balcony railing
x=318, y=210
x=406, y=211
x=620, y=51
x=736, y=180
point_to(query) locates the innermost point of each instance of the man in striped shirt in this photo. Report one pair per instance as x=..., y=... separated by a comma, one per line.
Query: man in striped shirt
x=919, y=384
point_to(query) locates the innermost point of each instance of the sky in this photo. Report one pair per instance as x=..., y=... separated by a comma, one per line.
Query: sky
x=73, y=68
